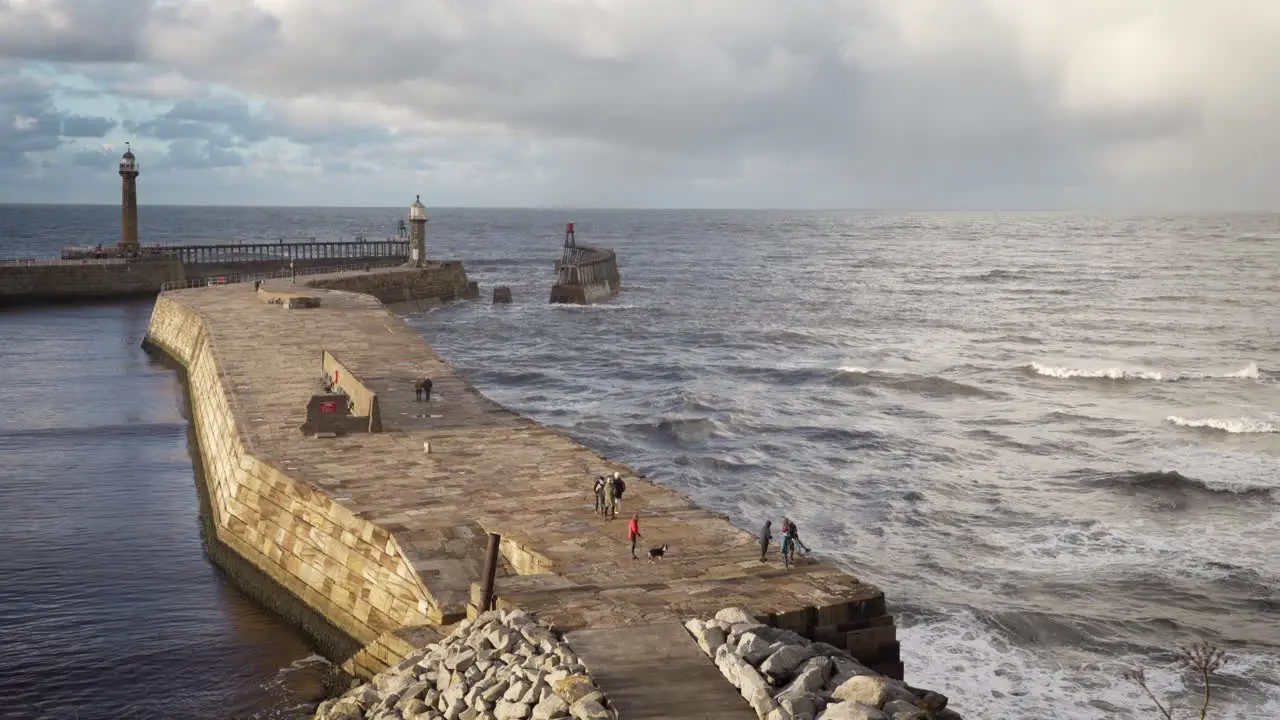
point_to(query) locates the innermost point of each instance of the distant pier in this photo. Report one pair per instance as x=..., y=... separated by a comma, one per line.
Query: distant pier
x=130, y=269
x=584, y=274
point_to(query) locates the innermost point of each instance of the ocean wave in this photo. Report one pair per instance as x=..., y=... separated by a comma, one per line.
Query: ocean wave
x=1249, y=372
x=997, y=275
x=1168, y=481
x=596, y=307
x=1238, y=425
x=986, y=672
x=927, y=385
x=679, y=431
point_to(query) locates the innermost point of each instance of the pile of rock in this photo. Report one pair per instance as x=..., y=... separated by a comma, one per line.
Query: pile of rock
x=785, y=676
x=502, y=666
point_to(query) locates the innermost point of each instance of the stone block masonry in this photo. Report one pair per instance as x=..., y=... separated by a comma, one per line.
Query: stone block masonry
x=416, y=288
x=380, y=537
x=75, y=280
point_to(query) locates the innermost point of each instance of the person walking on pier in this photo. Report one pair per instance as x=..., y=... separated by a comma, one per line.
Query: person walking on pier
x=619, y=487
x=599, y=490
x=787, y=543
x=610, y=503
x=633, y=534
x=422, y=389
x=766, y=534
x=794, y=532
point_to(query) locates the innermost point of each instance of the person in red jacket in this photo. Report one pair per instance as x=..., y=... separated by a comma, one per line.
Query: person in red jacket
x=633, y=534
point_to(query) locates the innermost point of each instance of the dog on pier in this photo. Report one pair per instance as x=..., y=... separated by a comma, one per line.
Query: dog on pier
x=657, y=553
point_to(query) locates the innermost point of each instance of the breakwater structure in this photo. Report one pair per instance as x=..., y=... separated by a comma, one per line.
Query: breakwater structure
x=584, y=274
x=379, y=522
x=129, y=269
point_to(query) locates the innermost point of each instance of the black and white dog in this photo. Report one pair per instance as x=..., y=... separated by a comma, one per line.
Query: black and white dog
x=657, y=553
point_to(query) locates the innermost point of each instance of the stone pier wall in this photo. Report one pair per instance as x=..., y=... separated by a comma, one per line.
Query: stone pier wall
x=345, y=568
x=75, y=280
x=432, y=284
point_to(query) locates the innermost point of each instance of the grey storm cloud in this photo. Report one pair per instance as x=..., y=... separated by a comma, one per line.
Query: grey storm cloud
x=86, y=126
x=833, y=102
x=73, y=30
x=30, y=122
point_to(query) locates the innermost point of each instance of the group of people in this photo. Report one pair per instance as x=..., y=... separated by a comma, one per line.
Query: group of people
x=421, y=388
x=609, y=490
x=790, y=541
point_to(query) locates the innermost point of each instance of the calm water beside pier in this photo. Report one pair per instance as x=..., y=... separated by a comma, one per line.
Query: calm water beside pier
x=108, y=606
x=1053, y=439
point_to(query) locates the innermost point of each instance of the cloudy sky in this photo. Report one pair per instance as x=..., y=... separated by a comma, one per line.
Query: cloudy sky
x=1115, y=104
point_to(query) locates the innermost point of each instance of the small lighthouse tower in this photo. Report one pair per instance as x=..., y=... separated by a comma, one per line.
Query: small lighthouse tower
x=129, y=201
x=417, y=233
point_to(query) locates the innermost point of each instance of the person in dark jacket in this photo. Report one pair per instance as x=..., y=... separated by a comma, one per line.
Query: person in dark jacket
x=619, y=487
x=787, y=547
x=794, y=532
x=599, y=490
x=766, y=534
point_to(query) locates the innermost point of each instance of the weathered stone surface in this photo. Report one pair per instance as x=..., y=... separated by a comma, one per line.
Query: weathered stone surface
x=863, y=689
x=903, y=710
x=550, y=708
x=784, y=662
x=511, y=711
x=851, y=711
x=734, y=615
x=588, y=708
x=708, y=637
x=753, y=648
x=573, y=688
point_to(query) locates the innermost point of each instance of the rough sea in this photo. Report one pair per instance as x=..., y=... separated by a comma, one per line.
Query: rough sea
x=1053, y=439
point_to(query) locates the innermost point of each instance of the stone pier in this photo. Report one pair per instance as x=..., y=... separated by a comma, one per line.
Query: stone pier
x=382, y=533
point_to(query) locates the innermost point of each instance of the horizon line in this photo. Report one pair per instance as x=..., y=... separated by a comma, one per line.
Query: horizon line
x=596, y=208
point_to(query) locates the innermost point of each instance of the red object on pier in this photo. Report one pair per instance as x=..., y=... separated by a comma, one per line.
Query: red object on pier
x=568, y=227
x=335, y=377
x=328, y=407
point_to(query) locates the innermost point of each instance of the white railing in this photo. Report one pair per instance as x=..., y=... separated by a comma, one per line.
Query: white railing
x=233, y=278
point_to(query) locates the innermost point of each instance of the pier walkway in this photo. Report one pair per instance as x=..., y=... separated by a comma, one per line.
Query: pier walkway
x=492, y=470
x=657, y=672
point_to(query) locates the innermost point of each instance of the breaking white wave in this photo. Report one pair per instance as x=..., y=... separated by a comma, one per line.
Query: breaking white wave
x=1075, y=548
x=1250, y=372
x=1243, y=425
x=985, y=675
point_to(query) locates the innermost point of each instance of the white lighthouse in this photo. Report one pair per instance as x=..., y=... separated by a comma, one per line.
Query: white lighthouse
x=417, y=233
